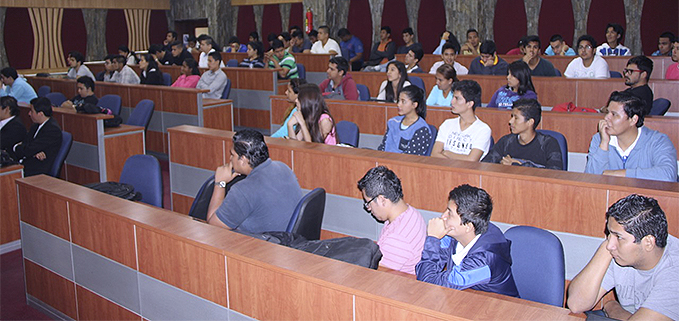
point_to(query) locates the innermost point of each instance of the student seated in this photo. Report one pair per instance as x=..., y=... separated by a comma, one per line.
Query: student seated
x=150, y=74
x=261, y=202
x=558, y=47
x=12, y=130
x=524, y=146
x=123, y=73
x=339, y=84
x=291, y=94
x=465, y=137
x=255, y=57
x=124, y=51
x=325, y=44
x=519, y=86
x=638, y=258
x=612, y=46
x=672, y=72
x=531, y=56
x=448, y=54
x=77, y=68
x=313, y=119
x=15, y=86
x=397, y=78
x=85, y=94
x=488, y=63
x=190, y=74
x=235, y=45
x=624, y=147
x=408, y=132
x=352, y=46
x=473, y=45
x=464, y=250
x=207, y=46
x=179, y=54
x=588, y=64
x=664, y=44
x=214, y=78
x=409, y=41
x=441, y=94
x=636, y=74
x=383, y=51
x=412, y=59
x=109, y=69
x=278, y=58
x=39, y=148
x=402, y=238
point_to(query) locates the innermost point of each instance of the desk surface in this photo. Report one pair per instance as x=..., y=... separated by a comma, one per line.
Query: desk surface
x=10, y=168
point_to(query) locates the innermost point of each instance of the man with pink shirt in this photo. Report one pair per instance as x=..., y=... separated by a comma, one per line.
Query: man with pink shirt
x=673, y=70
x=402, y=238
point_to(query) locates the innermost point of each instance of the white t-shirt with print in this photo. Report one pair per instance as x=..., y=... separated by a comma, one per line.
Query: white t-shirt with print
x=476, y=136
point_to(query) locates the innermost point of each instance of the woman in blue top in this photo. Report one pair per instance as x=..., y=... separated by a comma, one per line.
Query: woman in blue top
x=519, y=86
x=408, y=132
x=441, y=94
x=291, y=94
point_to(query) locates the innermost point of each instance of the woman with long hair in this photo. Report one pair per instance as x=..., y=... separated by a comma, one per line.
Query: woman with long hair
x=519, y=86
x=291, y=94
x=408, y=132
x=190, y=74
x=255, y=57
x=131, y=57
x=150, y=74
x=441, y=94
x=313, y=117
x=397, y=78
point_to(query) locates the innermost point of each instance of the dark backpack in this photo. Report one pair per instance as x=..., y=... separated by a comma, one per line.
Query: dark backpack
x=122, y=190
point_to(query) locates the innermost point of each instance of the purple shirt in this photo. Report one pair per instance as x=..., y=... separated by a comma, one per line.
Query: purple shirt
x=353, y=47
x=401, y=241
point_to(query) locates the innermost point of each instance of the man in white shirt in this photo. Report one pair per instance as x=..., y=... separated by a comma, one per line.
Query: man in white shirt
x=206, y=47
x=588, y=64
x=124, y=74
x=612, y=46
x=449, y=52
x=325, y=44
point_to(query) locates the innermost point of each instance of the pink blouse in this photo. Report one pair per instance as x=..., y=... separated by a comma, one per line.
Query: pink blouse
x=331, y=139
x=187, y=82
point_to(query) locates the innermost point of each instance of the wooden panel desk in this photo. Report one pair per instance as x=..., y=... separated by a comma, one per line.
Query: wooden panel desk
x=9, y=209
x=578, y=128
x=165, y=266
x=172, y=106
x=97, y=154
x=567, y=202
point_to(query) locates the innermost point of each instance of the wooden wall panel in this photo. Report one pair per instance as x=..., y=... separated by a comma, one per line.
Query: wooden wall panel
x=118, y=149
x=138, y=28
x=50, y=288
x=93, y=307
x=47, y=52
x=577, y=130
x=373, y=117
x=177, y=102
x=79, y=175
x=667, y=89
x=254, y=118
x=9, y=209
x=218, y=117
x=283, y=297
x=595, y=93
x=279, y=106
x=151, y=92
x=669, y=205
x=83, y=129
x=337, y=174
x=281, y=154
x=94, y=230
x=44, y=212
x=372, y=310
x=197, y=271
x=155, y=141
x=212, y=153
x=181, y=204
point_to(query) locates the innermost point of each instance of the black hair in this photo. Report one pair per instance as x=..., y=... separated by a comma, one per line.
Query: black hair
x=381, y=180
x=487, y=47
x=313, y=33
x=9, y=72
x=110, y=57
x=312, y=106
x=294, y=83
x=125, y=49
x=250, y=144
x=271, y=37
x=471, y=30
x=11, y=103
x=192, y=38
x=324, y=27
x=210, y=41
x=533, y=38
x=452, y=43
x=416, y=95
x=587, y=38
x=151, y=63
x=632, y=105
x=193, y=65
x=285, y=35
x=474, y=205
x=669, y=35
x=386, y=28
x=234, y=39
x=521, y=71
x=119, y=59
x=556, y=37
x=408, y=31
x=295, y=27
x=77, y=56
x=155, y=48
x=470, y=90
x=86, y=81
x=258, y=47
x=522, y=42
x=530, y=109
x=174, y=33
x=297, y=34
x=389, y=93
x=643, y=63
x=254, y=35
x=215, y=55
x=42, y=105
x=343, y=32
x=342, y=64
x=448, y=72
x=176, y=43
x=618, y=29
x=418, y=52
x=276, y=43
x=640, y=216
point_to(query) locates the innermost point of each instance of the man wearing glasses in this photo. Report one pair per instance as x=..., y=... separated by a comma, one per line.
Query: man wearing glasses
x=402, y=238
x=588, y=64
x=636, y=75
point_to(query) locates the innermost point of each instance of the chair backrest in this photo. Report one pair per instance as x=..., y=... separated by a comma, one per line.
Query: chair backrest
x=227, y=89
x=44, y=90
x=558, y=72
x=100, y=75
x=200, y=204
x=537, y=264
x=143, y=172
x=660, y=107
x=56, y=98
x=112, y=102
x=434, y=131
x=492, y=143
x=615, y=74
x=308, y=215
x=66, y=142
x=141, y=115
x=563, y=145
x=363, y=92
x=301, y=71
x=417, y=81
x=167, y=79
x=232, y=63
x=347, y=133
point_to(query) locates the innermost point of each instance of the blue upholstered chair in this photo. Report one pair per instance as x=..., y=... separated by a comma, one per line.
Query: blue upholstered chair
x=301, y=71
x=563, y=145
x=167, y=79
x=307, y=218
x=112, y=102
x=537, y=264
x=44, y=90
x=200, y=204
x=660, y=107
x=232, y=63
x=347, y=133
x=56, y=98
x=143, y=172
x=66, y=142
x=363, y=92
x=417, y=81
x=615, y=74
x=141, y=115
x=433, y=131
x=227, y=89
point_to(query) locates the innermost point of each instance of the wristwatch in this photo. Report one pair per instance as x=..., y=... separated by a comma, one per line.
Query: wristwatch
x=222, y=184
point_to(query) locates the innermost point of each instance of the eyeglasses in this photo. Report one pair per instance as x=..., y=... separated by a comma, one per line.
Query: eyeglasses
x=584, y=47
x=629, y=71
x=367, y=204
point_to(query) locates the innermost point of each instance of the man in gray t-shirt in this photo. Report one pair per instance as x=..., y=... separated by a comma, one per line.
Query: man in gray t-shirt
x=261, y=202
x=638, y=258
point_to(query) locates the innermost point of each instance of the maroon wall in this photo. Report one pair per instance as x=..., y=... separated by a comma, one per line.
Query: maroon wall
x=246, y=23
x=509, y=24
x=430, y=24
x=116, y=30
x=603, y=12
x=158, y=27
x=73, y=32
x=297, y=13
x=556, y=17
x=657, y=17
x=271, y=22
x=395, y=16
x=360, y=24
x=18, y=38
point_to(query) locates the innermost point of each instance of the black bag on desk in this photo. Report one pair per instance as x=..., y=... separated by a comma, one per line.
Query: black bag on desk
x=121, y=190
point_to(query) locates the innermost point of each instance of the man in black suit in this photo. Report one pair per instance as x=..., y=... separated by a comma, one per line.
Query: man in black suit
x=13, y=130
x=38, y=151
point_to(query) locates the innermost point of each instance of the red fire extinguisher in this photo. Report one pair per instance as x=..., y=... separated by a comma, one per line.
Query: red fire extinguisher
x=309, y=21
